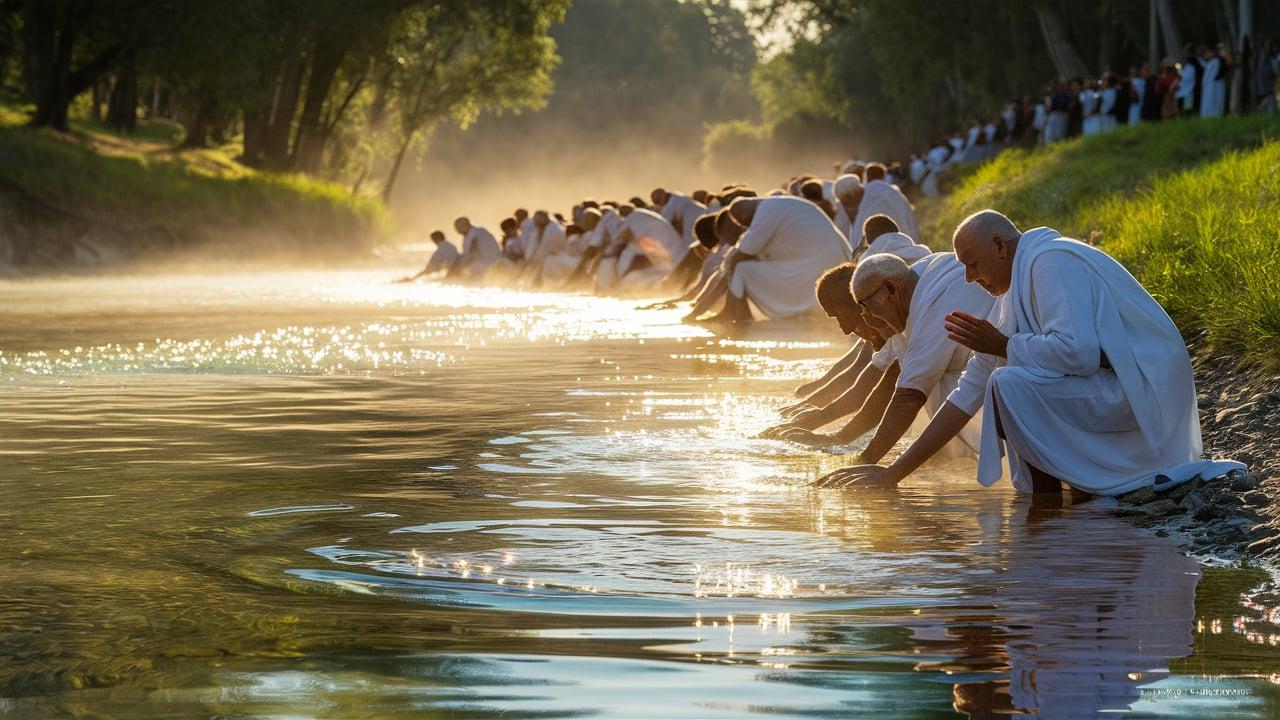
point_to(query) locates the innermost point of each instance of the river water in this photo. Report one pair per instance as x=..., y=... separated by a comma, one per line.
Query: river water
x=318, y=495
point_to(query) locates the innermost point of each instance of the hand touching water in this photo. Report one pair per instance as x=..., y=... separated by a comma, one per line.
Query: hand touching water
x=859, y=476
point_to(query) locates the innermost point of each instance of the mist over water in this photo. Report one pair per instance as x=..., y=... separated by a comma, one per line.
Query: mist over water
x=487, y=181
x=316, y=494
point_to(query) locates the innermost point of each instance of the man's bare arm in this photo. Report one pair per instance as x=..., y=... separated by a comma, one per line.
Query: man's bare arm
x=872, y=410
x=902, y=410
x=858, y=359
x=946, y=424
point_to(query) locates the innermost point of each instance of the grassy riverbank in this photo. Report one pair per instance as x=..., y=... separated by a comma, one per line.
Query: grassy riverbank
x=93, y=196
x=1192, y=208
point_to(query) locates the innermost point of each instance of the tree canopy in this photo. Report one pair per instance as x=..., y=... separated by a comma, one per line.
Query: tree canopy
x=286, y=76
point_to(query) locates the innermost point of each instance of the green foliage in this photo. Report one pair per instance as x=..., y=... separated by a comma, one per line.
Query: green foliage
x=896, y=74
x=200, y=196
x=1192, y=208
x=656, y=71
x=736, y=149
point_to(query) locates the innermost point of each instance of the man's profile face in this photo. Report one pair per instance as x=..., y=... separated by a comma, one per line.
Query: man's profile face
x=987, y=262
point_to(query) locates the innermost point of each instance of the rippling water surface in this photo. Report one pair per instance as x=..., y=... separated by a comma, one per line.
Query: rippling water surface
x=317, y=495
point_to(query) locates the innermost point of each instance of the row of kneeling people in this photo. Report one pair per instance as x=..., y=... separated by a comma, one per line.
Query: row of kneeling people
x=735, y=254
x=1025, y=346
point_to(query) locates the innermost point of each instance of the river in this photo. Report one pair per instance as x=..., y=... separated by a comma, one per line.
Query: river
x=318, y=495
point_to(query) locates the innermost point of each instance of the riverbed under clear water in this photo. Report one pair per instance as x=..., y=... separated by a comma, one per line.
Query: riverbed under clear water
x=318, y=495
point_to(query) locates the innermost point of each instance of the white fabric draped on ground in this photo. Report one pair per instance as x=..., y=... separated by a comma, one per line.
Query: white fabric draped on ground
x=1097, y=389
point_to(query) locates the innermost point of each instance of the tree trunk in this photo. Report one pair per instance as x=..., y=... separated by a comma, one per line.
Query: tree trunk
x=1153, y=36
x=155, y=98
x=326, y=57
x=50, y=28
x=1106, y=40
x=1233, y=30
x=122, y=108
x=255, y=127
x=1066, y=59
x=198, y=128
x=395, y=167
x=1169, y=26
x=275, y=141
x=51, y=31
x=96, y=103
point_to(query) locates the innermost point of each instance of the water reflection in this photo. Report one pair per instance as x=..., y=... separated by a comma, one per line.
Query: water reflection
x=569, y=516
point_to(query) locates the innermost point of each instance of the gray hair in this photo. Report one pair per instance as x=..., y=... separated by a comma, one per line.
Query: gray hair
x=877, y=269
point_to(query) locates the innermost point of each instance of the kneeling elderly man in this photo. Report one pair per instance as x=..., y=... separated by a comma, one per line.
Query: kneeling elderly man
x=1082, y=377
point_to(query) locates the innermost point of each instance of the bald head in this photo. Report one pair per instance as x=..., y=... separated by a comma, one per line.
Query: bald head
x=985, y=242
x=985, y=225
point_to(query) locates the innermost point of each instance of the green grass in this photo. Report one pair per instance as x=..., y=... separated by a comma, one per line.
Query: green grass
x=202, y=196
x=1191, y=208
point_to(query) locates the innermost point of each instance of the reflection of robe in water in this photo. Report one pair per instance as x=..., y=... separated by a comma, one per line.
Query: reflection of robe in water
x=1084, y=610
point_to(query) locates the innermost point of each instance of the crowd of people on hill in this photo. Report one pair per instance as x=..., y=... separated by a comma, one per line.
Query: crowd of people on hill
x=1196, y=86
x=735, y=254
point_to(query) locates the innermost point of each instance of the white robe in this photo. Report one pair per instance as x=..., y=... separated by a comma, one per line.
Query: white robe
x=928, y=360
x=1106, y=103
x=549, y=243
x=479, y=250
x=526, y=231
x=682, y=212
x=608, y=238
x=794, y=242
x=881, y=198
x=898, y=244
x=917, y=170
x=1106, y=431
x=845, y=225
x=1213, y=93
x=443, y=258
x=1089, y=107
x=651, y=237
x=1135, y=106
x=1187, y=85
